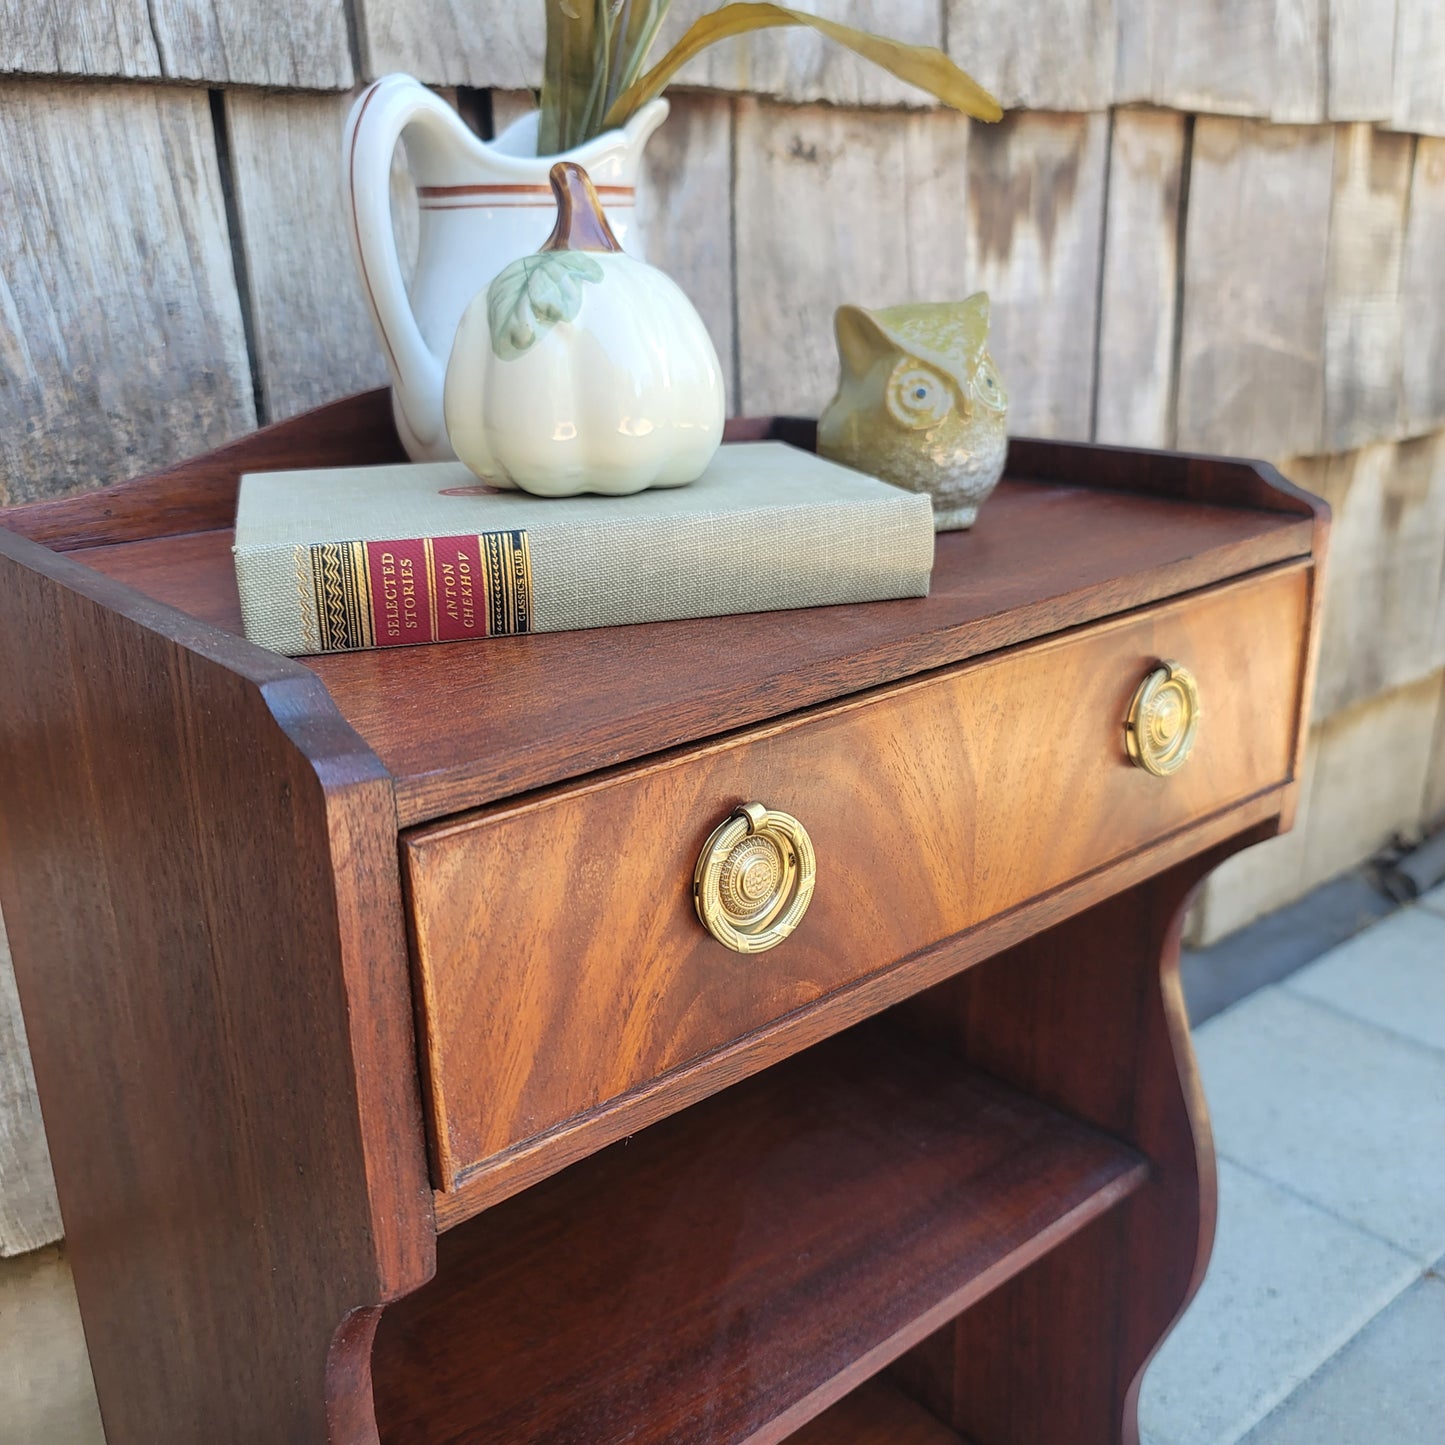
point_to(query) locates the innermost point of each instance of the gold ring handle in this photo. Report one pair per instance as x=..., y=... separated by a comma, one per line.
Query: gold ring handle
x=754, y=879
x=1163, y=720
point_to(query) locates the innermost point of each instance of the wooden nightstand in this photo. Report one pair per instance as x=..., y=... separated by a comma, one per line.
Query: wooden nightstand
x=396, y=1091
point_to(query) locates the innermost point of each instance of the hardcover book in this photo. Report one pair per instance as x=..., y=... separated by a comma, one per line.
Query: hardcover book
x=390, y=556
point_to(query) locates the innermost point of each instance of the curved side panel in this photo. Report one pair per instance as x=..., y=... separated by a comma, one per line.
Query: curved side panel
x=199, y=878
x=1090, y=1017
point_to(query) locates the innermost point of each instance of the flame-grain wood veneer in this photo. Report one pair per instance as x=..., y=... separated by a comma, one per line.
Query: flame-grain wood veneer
x=935, y=1169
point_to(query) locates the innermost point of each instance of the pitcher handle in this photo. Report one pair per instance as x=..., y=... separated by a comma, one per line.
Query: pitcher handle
x=382, y=113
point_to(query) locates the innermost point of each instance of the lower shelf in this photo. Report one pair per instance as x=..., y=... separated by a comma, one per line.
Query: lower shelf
x=876, y=1414
x=727, y=1274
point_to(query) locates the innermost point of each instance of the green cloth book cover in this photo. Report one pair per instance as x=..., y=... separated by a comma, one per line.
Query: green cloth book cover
x=390, y=556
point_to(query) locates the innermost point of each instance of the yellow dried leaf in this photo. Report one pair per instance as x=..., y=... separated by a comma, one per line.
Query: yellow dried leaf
x=921, y=65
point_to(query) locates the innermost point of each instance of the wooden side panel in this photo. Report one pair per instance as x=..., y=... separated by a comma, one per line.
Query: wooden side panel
x=1252, y=352
x=1139, y=299
x=1035, y=231
x=121, y=344
x=82, y=37
x=1424, y=292
x=1043, y=55
x=1364, y=322
x=872, y=205
x=199, y=880
x=29, y=1214
x=1089, y=1016
x=313, y=334
x=571, y=918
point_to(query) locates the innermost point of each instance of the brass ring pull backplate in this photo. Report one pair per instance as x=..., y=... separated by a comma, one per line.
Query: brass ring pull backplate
x=754, y=879
x=1163, y=720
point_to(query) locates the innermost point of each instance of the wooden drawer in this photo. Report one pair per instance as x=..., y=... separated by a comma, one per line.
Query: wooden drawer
x=560, y=961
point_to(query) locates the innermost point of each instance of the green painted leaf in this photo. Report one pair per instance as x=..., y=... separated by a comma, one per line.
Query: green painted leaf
x=533, y=294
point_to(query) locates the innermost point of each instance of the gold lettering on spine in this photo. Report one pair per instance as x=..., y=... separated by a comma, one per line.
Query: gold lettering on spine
x=390, y=597
x=466, y=593
x=486, y=595
x=409, y=618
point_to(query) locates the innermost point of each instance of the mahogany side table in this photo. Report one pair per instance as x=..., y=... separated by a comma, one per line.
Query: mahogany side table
x=398, y=1093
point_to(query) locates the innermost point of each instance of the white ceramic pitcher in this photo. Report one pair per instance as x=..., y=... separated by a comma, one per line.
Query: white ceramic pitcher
x=482, y=204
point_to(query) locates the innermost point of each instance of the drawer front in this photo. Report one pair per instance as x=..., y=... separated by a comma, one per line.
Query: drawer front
x=561, y=962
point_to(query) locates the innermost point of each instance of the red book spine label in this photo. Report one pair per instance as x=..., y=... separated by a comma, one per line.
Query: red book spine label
x=422, y=589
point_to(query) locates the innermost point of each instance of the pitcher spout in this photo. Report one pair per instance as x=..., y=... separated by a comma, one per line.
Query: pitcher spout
x=615, y=157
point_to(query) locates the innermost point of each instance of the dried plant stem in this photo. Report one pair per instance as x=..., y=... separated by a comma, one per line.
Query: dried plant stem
x=596, y=76
x=596, y=50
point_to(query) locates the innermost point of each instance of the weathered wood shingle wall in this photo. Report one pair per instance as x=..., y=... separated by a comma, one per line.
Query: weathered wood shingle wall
x=1213, y=224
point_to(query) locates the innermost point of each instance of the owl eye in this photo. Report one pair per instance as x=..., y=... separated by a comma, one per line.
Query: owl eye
x=918, y=397
x=987, y=387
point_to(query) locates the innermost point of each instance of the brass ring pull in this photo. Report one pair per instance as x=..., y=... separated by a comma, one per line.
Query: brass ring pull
x=754, y=879
x=1163, y=720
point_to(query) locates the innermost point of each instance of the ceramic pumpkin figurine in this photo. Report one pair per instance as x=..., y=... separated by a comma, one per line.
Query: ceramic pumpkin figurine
x=581, y=369
x=920, y=403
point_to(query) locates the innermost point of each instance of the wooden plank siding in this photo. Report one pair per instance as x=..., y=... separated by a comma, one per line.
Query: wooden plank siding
x=1139, y=297
x=1256, y=261
x=29, y=1211
x=453, y=42
x=1292, y=61
x=801, y=65
x=1420, y=67
x=1361, y=59
x=82, y=37
x=1423, y=286
x=1384, y=608
x=685, y=205
x=833, y=206
x=1258, y=58
x=311, y=330
x=244, y=42
x=121, y=339
x=1048, y=55
x=1033, y=240
x=255, y=42
x=1364, y=320
x=895, y=208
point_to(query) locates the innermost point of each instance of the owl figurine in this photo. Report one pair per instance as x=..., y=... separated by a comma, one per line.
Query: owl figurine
x=920, y=403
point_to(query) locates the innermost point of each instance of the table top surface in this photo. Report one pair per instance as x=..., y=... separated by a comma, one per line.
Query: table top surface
x=459, y=726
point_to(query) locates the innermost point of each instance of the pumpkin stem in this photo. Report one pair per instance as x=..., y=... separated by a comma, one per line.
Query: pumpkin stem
x=581, y=224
